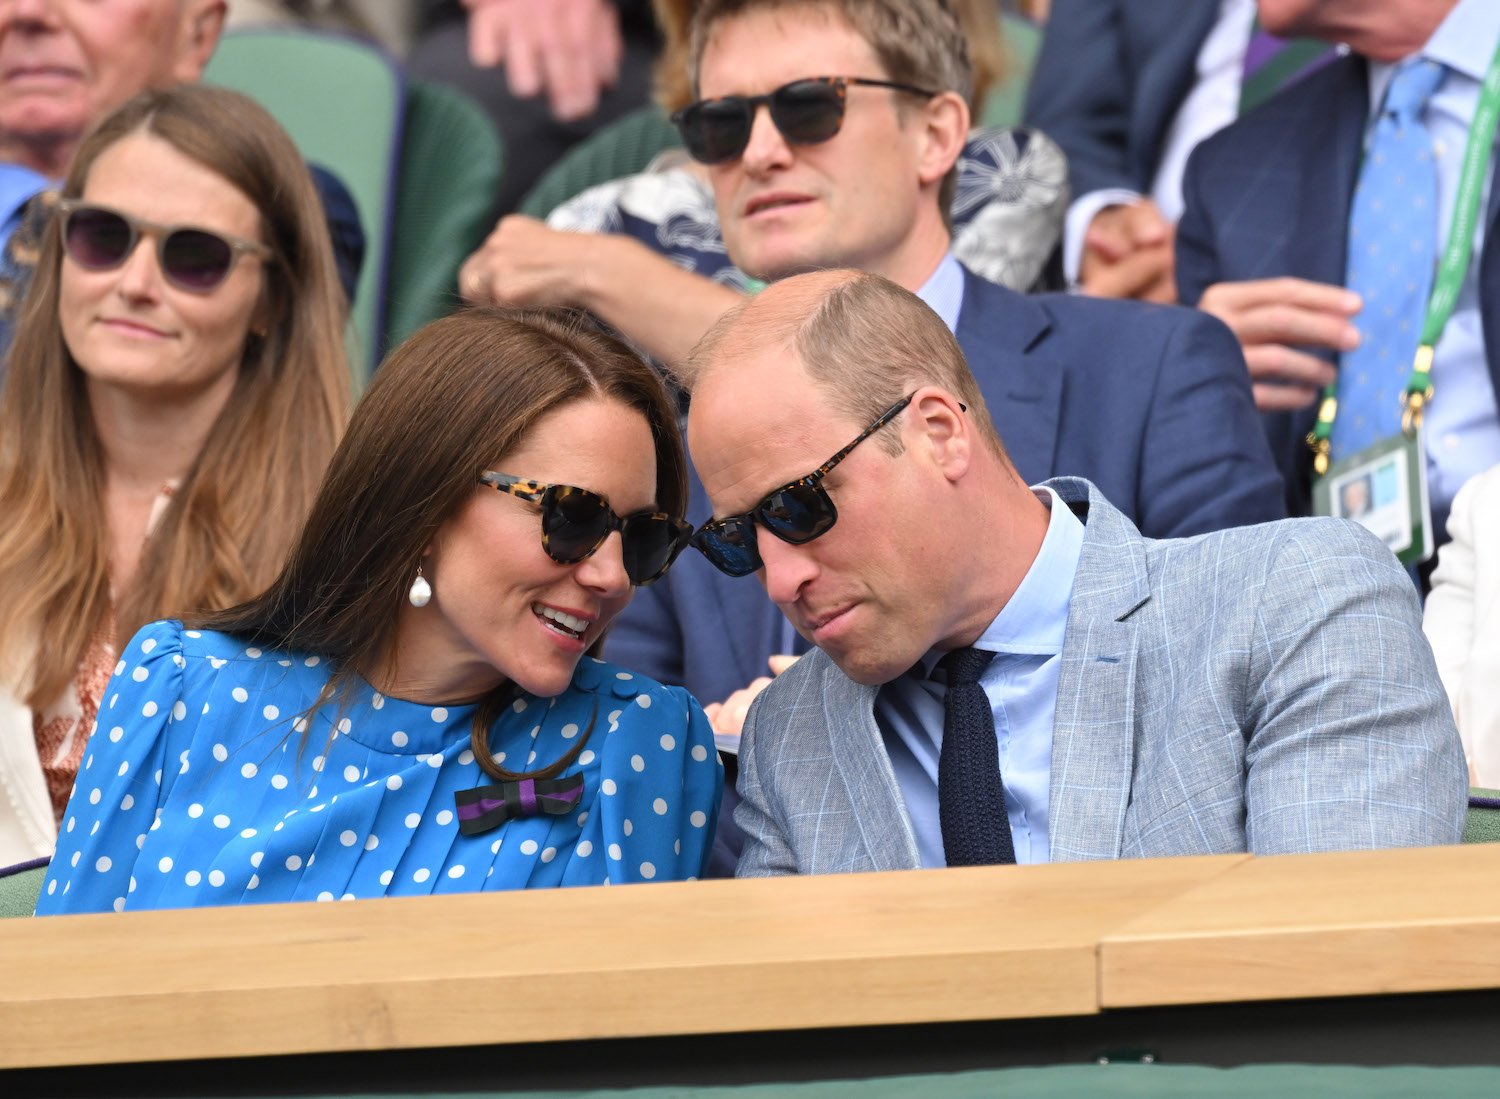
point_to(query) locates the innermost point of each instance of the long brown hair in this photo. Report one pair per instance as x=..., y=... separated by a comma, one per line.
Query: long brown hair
x=233, y=518
x=449, y=403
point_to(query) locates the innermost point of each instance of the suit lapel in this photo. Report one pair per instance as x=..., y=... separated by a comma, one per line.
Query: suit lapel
x=998, y=331
x=878, y=819
x=1093, y=735
x=1336, y=130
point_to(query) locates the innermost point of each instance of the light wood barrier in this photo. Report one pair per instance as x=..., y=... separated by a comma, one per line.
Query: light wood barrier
x=661, y=959
x=1355, y=924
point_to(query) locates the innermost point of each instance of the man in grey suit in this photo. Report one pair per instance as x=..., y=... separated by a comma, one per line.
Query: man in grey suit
x=1265, y=688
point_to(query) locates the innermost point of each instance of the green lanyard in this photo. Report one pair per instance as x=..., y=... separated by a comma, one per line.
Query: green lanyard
x=1449, y=279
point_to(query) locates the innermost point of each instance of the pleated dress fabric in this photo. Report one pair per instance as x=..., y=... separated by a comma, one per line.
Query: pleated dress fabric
x=199, y=786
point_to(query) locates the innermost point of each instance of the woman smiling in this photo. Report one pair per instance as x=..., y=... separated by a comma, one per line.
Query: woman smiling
x=176, y=386
x=410, y=707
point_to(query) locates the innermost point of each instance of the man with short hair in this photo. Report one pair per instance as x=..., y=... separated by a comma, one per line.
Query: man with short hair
x=1012, y=673
x=832, y=128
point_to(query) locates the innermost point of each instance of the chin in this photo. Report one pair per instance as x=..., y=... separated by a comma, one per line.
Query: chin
x=870, y=669
x=544, y=681
x=775, y=268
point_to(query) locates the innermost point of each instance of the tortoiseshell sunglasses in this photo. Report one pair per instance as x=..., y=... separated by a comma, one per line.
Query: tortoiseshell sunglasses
x=796, y=513
x=575, y=523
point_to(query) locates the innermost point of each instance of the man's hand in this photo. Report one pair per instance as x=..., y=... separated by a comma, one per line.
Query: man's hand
x=570, y=49
x=729, y=716
x=524, y=263
x=1127, y=253
x=1272, y=318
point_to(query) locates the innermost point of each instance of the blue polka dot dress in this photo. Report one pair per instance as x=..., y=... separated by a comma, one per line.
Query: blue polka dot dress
x=203, y=785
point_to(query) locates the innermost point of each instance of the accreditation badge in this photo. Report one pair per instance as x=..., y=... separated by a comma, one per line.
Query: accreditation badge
x=1383, y=488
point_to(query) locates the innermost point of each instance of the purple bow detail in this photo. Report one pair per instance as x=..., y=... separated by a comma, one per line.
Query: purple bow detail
x=486, y=807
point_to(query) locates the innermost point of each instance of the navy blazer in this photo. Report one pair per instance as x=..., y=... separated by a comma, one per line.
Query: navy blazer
x=1270, y=196
x=1152, y=403
x=1109, y=79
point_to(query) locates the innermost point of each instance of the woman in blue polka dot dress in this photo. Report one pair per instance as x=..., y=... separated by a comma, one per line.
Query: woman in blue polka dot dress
x=413, y=706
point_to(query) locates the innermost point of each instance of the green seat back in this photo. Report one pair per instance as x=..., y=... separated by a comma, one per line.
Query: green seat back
x=19, y=891
x=1482, y=825
x=622, y=148
x=341, y=100
x=451, y=164
x=1002, y=106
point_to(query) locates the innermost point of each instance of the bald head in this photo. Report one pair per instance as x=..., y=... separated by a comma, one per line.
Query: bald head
x=862, y=340
x=847, y=388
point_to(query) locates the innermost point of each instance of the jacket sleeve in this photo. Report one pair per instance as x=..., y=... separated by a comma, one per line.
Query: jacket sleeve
x=1206, y=465
x=766, y=852
x=1197, y=263
x=120, y=782
x=1080, y=94
x=1350, y=741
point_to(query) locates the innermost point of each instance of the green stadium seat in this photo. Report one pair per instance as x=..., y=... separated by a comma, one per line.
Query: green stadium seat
x=452, y=160
x=341, y=100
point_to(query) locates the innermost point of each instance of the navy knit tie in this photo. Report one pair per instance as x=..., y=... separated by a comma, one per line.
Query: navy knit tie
x=971, y=798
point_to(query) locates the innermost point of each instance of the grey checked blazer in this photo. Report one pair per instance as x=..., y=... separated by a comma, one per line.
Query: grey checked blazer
x=1262, y=689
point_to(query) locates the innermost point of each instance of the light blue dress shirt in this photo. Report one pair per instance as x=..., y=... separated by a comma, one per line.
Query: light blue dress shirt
x=943, y=292
x=1462, y=425
x=1021, y=683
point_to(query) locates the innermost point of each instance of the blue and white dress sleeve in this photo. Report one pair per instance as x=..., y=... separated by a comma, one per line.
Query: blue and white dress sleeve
x=660, y=784
x=119, y=784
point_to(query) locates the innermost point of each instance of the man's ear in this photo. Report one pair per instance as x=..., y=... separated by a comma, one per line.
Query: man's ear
x=945, y=433
x=197, y=38
x=945, y=128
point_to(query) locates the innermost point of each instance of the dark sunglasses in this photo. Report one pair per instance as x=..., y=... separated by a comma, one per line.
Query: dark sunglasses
x=196, y=260
x=805, y=111
x=575, y=522
x=795, y=513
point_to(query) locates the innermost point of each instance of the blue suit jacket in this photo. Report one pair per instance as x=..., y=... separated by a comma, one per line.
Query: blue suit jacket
x=1110, y=77
x=1270, y=195
x=1151, y=403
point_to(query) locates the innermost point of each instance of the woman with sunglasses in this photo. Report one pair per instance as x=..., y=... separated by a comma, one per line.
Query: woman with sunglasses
x=176, y=386
x=411, y=708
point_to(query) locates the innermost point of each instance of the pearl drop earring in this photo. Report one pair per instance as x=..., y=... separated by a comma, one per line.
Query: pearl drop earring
x=421, y=591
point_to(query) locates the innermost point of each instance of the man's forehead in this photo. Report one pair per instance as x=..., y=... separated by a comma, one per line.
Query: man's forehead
x=754, y=423
x=725, y=51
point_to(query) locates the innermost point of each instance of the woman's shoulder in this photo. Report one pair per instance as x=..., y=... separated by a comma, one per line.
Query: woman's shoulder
x=169, y=638
x=607, y=682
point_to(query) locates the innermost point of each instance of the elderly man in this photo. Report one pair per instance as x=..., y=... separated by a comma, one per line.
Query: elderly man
x=1011, y=673
x=64, y=65
x=831, y=129
x=1314, y=228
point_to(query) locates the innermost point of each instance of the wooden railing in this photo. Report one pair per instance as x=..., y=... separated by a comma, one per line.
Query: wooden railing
x=729, y=956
